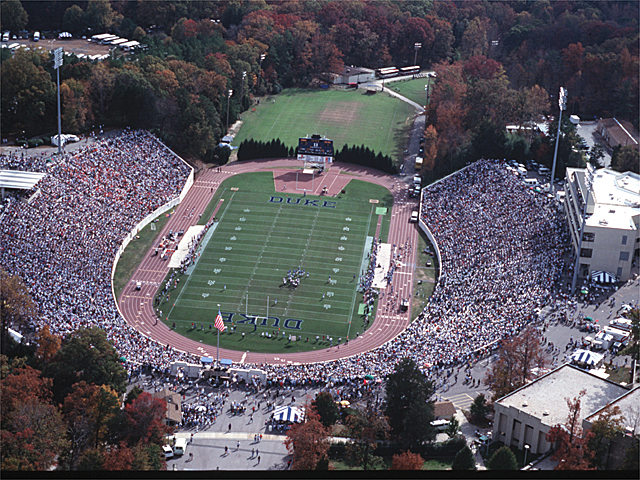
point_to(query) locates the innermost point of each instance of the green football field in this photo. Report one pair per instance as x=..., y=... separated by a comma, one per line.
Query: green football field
x=379, y=121
x=261, y=236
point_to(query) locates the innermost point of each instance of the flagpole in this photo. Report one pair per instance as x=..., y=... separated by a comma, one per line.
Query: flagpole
x=218, y=345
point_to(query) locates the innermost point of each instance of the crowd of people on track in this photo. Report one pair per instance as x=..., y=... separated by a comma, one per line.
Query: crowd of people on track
x=500, y=247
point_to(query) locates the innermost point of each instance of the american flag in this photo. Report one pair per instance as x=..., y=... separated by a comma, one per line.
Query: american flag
x=219, y=323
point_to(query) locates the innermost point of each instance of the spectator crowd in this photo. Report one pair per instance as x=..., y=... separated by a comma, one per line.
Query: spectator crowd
x=500, y=247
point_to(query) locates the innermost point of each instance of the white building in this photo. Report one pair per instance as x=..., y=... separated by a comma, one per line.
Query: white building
x=525, y=416
x=610, y=238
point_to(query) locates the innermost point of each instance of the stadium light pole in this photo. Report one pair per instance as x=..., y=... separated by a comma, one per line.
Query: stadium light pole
x=244, y=75
x=416, y=46
x=57, y=63
x=228, y=102
x=588, y=182
x=562, y=103
x=262, y=57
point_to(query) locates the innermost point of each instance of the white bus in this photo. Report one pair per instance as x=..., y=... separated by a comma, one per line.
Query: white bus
x=99, y=38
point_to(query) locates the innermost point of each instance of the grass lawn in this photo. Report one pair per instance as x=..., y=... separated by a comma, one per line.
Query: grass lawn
x=424, y=277
x=444, y=464
x=263, y=234
x=413, y=89
x=135, y=252
x=352, y=117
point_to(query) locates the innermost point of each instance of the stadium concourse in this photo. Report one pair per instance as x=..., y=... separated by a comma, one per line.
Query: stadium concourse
x=499, y=263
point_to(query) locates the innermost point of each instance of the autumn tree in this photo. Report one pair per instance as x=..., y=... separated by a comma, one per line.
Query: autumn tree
x=365, y=428
x=16, y=305
x=48, y=345
x=326, y=408
x=407, y=461
x=308, y=441
x=145, y=420
x=517, y=357
x=571, y=447
x=33, y=432
x=430, y=149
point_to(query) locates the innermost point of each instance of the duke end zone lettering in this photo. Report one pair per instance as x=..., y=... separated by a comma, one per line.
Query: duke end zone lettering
x=303, y=201
x=290, y=323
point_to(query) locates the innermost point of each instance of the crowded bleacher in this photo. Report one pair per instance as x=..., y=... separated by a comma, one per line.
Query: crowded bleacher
x=500, y=245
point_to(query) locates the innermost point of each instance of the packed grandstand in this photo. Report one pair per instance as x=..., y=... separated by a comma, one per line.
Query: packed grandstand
x=499, y=242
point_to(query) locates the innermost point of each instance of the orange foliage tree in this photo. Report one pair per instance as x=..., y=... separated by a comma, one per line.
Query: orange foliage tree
x=407, y=461
x=307, y=441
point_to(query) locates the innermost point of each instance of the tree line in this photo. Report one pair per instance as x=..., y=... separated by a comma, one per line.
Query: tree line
x=495, y=66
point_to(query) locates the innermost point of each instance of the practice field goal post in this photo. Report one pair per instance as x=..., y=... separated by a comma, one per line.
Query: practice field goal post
x=306, y=171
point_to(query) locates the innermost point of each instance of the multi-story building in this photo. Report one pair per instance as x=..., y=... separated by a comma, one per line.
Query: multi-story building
x=610, y=238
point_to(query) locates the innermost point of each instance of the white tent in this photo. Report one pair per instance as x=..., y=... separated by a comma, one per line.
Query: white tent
x=288, y=414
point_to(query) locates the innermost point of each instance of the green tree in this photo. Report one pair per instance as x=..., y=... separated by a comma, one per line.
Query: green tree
x=365, y=428
x=452, y=427
x=479, y=408
x=326, y=408
x=625, y=159
x=86, y=355
x=101, y=17
x=408, y=405
x=464, y=460
x=12, y=16
x=609, y=424
x=74, y=19
x=503, y=459
x=27, y=94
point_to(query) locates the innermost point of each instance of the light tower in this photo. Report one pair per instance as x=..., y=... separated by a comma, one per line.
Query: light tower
x=562, y=103
x=416, y=47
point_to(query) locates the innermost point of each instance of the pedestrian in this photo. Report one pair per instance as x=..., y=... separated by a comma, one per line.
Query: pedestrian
x=226, y=450
x=191, y=441
x=258, y=458
x=253, y=452
x=238, y=446
x=229, y=427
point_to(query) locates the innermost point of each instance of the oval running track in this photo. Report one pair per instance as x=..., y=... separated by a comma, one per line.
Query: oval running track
x=137, y=306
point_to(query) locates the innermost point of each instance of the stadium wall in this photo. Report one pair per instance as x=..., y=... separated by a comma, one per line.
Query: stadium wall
x=147, y=220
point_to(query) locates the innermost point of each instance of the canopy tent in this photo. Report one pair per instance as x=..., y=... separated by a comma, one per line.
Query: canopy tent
x=288, y=414
x=65, y=35
x=206, y=360
x=603, y=277
x=369, y=377
x=587, y=357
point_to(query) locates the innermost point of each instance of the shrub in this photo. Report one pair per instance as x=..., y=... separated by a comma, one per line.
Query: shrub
x=464, y=460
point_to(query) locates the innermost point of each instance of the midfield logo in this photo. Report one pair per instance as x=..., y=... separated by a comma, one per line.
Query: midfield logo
x=303, y=201
x=290, y=323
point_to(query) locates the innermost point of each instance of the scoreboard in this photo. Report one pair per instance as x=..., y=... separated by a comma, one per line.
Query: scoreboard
x=316, y=150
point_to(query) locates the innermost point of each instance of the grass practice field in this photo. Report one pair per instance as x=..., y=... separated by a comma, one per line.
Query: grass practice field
x=413, y=89
x=261, y=236
x=351, y=117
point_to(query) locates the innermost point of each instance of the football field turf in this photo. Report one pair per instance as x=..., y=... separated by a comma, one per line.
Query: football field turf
x=261, y=236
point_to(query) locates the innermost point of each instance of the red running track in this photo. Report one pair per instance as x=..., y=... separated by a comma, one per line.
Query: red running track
x=137, y=306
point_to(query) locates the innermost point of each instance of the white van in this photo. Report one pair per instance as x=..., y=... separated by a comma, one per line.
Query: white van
x=180, y=446
x=440, y=425
x=543, y=170
x=530, y=182
x=36, y=36
x=5, y=36
x=167, y=451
